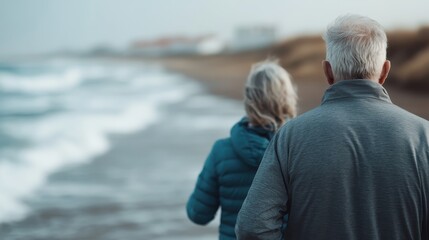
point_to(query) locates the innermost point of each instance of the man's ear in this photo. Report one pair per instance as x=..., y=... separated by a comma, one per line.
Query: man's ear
x=327, y=69
x=384, y=72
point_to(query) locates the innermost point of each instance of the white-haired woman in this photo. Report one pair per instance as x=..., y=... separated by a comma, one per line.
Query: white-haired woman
x=269, y=101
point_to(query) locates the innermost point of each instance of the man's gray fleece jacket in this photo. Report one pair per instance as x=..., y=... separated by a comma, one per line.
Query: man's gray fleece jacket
x=356, y=167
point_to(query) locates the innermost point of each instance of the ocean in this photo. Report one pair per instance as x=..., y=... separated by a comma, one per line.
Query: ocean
x=103, y=149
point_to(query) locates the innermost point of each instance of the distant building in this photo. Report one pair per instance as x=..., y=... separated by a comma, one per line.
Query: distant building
x=179, y=45
x=252, y=37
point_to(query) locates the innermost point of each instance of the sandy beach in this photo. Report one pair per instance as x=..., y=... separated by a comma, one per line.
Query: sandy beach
x=225, y=75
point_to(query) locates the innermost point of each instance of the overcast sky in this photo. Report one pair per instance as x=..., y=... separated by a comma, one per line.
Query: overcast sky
x=35, y=26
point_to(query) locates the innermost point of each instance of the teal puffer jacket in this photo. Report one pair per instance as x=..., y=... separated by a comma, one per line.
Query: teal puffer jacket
x=227, y=175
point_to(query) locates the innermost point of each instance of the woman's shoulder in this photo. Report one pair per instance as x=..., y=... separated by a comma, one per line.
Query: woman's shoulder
x=221, y=145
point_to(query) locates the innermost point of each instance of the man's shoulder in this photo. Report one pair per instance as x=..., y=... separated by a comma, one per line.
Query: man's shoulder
x=411, y=116
x=408, y=121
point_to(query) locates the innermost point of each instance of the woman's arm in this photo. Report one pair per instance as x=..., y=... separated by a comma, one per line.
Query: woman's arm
x=204, y=201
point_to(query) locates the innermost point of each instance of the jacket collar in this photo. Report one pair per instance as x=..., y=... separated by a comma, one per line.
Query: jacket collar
x=250, y=142
x=356, y=88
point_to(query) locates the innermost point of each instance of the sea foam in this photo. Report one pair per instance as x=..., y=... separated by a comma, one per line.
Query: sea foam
x=91, y=101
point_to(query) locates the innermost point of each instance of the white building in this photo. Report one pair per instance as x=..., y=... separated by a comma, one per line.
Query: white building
x=252, y=37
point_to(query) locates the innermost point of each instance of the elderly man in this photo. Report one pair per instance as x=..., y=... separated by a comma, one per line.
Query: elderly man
x=356, y=167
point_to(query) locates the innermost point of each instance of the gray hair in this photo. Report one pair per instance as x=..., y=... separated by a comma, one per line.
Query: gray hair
x=355, y=47
x=270, y=97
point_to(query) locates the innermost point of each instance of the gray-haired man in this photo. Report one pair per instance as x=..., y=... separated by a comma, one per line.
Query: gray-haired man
x=356, y=167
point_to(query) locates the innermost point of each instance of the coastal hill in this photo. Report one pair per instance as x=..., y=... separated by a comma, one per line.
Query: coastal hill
x=408, y=52
x=225, y=73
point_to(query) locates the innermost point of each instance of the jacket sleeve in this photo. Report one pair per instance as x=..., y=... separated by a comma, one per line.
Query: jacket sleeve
x=262, y=213
x=204, y=201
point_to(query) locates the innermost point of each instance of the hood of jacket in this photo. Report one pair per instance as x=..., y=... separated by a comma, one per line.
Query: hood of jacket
x=250, y=142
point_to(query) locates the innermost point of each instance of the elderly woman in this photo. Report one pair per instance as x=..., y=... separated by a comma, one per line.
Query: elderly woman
x=269, y=101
